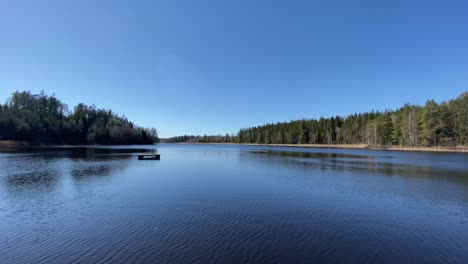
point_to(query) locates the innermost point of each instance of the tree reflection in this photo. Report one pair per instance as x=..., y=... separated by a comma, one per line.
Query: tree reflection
x=43, y=169
x=359, y=164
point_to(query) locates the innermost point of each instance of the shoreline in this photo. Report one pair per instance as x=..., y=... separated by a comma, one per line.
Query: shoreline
x=457, y=149
x=18, y=144
x=13, y=144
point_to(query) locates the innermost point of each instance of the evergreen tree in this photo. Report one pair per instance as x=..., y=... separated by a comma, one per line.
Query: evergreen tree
x=45, y=119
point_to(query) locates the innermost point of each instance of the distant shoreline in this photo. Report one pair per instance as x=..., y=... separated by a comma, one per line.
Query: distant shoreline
x=18, y=144
x=457, y=149
x=13, y=144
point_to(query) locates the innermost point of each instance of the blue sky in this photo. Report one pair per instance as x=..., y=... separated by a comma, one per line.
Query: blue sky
x=211, y=67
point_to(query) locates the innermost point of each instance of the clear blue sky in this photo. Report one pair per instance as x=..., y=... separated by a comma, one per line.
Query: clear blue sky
x=209, y=67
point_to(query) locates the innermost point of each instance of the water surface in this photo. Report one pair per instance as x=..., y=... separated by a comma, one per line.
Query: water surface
x=232, y=204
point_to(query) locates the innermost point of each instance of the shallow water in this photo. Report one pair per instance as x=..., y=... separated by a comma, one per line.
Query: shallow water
x=232, y=204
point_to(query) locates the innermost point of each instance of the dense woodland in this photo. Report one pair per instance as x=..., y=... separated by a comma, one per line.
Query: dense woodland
x=45, y=119
x=434, y=124
x=444, y=124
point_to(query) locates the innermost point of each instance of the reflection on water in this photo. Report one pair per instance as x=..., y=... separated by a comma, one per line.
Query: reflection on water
x=94, y=170
x=362, y=164
x=42, y=169
x=32, y=180
x=231, y=204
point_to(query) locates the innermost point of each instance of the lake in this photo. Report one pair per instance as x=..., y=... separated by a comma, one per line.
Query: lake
x=232, y=204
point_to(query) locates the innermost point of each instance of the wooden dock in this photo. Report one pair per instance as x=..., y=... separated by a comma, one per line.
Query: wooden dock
x=149, y=156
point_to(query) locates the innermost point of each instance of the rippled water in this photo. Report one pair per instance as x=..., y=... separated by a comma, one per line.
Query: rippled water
x=232, y=204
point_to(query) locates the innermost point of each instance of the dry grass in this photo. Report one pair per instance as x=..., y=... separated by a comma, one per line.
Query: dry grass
x=11, y=144
x=429, y=149
x=463, y=149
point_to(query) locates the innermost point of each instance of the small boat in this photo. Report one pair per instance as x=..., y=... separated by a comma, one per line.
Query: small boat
x=149, y=156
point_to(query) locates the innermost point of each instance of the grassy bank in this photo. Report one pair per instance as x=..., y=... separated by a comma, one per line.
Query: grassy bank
x=463, y=149
x=457, y=149
x=12, y=144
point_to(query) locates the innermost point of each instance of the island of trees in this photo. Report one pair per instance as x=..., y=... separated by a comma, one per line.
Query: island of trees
x=434, y=124
x=43, y=119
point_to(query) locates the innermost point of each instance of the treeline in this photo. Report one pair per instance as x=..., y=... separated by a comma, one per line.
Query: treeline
x=45, y=119
x=201, y=139
x=444, y=124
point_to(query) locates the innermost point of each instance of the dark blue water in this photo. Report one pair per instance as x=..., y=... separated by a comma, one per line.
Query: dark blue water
x=232, y=204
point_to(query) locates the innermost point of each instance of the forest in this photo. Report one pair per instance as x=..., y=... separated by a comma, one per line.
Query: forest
x=434, y=124
x=444, y=124
x=43, y=119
